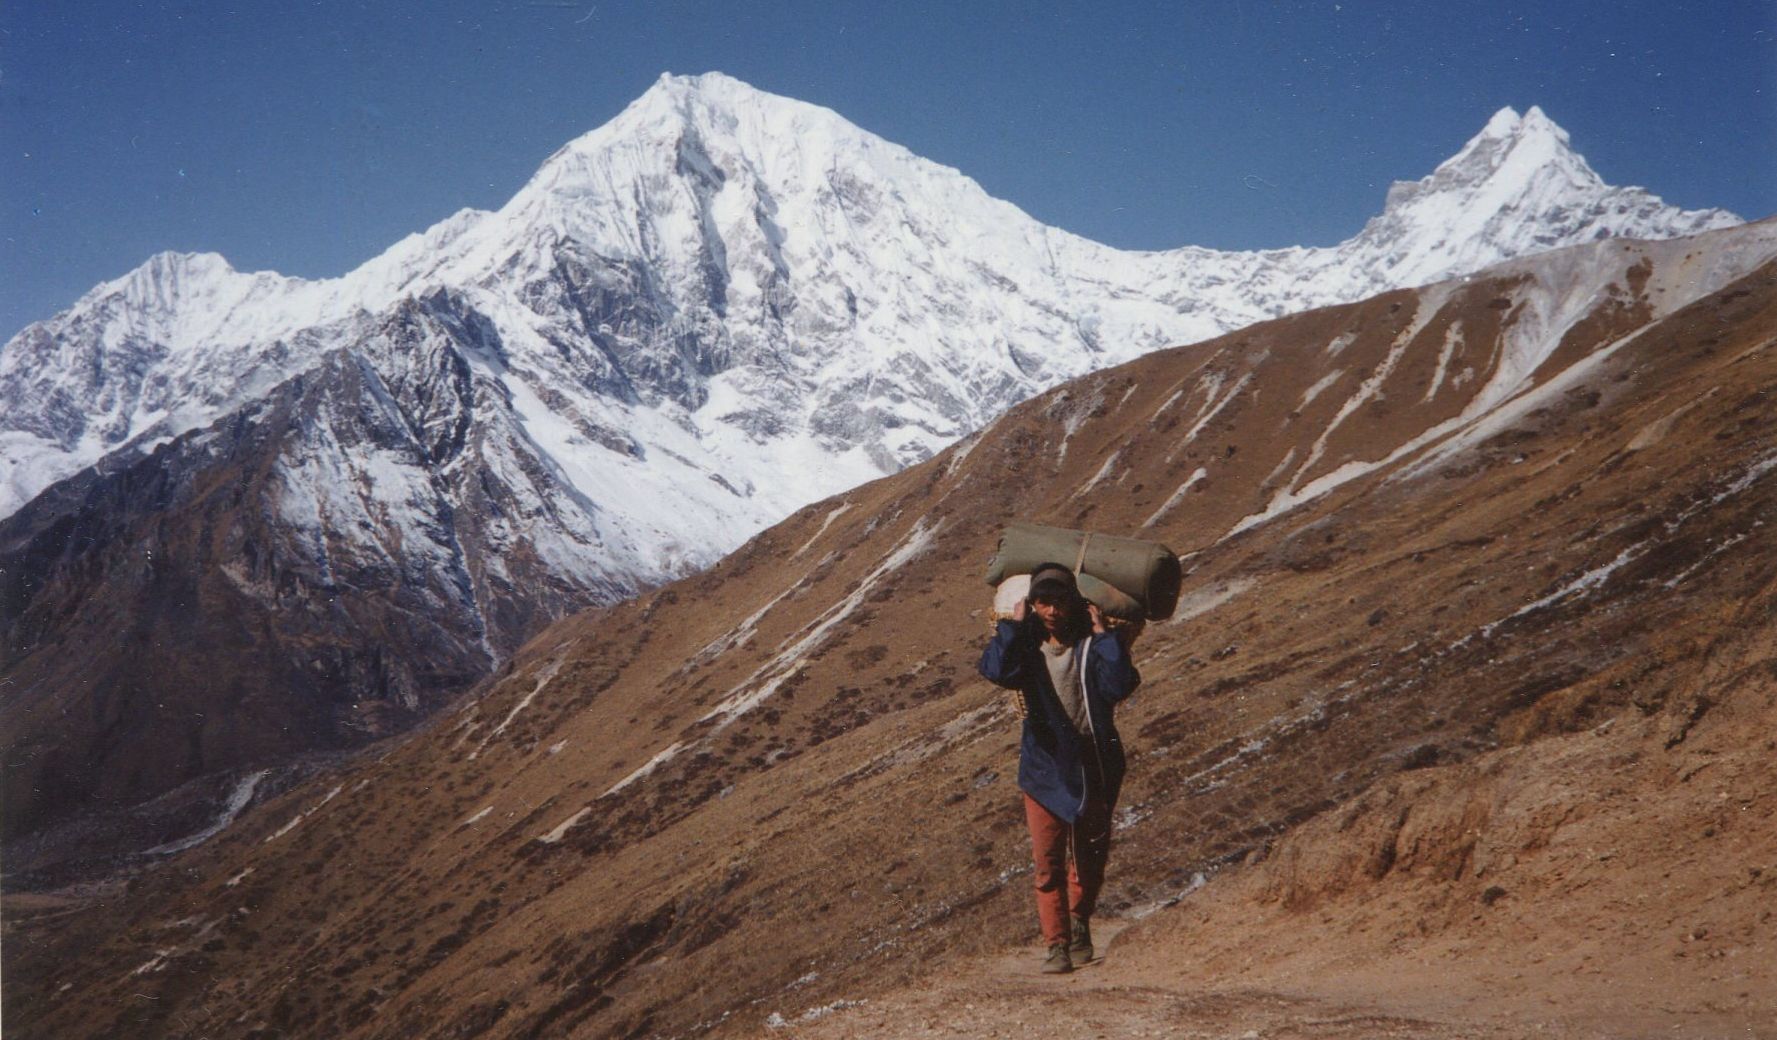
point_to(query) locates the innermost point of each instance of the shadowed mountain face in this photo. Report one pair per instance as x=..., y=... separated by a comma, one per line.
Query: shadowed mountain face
x=320, y=569
x=1422, y=532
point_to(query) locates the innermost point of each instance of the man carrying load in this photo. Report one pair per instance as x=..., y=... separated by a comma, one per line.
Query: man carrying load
x=1056, y=650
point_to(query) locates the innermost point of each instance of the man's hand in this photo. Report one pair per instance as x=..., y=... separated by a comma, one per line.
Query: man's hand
x=1020, y=610
x=1097, y=618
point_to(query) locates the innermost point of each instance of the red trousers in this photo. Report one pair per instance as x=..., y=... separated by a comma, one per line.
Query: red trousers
x=1063, y=885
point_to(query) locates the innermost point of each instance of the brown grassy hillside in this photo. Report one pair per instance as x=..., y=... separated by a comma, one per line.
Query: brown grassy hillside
x=1490, y=630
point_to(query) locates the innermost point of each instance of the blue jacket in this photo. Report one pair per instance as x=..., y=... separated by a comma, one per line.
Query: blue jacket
x=1051, y=768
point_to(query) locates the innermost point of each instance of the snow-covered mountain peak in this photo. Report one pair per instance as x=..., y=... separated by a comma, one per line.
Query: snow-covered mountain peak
x=161, y=278
x=1535, y=120
x=168, y=263
x=715, y=101
x=1507, y=124
x=1517, y=187
x=177, y=301
x=707, y=105
x=1503, y=124
x=1506, y=160
x=705, y=132
x=717, y=92
x=782, y=302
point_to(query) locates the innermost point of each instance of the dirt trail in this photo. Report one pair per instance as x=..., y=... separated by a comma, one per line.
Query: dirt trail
x=1004, y=995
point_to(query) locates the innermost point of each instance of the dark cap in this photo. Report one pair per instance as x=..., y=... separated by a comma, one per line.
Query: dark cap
x=1052, y=579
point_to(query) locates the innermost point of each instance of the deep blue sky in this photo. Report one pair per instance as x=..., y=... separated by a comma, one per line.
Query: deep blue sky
x=306, y=137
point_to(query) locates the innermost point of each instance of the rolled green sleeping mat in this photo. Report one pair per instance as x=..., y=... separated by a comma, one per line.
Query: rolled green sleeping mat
x=1110, y=599
x=1146, y=572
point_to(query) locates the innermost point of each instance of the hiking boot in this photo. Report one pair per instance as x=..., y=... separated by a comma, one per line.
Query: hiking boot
x=1080, y=949
x=1058, y=962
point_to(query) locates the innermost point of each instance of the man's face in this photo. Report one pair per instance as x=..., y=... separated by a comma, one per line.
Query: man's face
x=1051, y=611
